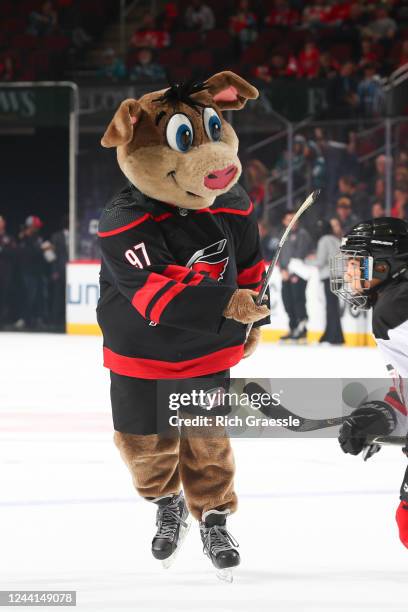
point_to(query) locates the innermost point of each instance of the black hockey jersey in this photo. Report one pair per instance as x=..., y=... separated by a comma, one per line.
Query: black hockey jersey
x=167, y=275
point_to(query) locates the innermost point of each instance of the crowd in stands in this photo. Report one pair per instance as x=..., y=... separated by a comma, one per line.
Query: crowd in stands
x=43, y=39
x=357, y=194
x=351, y=44
x=32, y=277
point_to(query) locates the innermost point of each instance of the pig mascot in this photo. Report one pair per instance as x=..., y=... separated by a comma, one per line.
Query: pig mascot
x=181, y=265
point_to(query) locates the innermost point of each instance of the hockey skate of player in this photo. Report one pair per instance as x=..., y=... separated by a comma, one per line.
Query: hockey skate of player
x=181, y=265
x=371, y=271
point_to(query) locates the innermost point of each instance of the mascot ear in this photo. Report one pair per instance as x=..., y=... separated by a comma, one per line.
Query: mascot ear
x=120, y=129
x=230, y=91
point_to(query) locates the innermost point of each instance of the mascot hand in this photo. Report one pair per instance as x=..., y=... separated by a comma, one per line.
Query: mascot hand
x=242, y=307
x=252, y=341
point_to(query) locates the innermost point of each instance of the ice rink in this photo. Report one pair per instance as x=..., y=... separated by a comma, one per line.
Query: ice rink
x=316, y=528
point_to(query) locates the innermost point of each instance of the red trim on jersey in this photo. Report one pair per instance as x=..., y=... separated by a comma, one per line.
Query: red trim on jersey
x=163, y=216
x=394, y=401
x=154, y=369
x=178, y=273
x=251, y=275
x=164, y=300
x=231, y=211
x=144, y=295
x=124, y=228
x=129, y=226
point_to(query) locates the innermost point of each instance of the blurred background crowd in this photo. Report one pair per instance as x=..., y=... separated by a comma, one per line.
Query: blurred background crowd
x=330, y=59
x=32, y=277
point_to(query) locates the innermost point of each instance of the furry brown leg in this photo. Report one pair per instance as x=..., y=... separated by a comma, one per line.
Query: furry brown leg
x=207, y=470
x=152, y=461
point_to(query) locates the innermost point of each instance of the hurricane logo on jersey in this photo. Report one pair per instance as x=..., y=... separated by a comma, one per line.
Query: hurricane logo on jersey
x=210, y=261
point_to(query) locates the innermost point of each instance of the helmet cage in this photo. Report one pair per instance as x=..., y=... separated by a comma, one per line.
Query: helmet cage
x=350, y=274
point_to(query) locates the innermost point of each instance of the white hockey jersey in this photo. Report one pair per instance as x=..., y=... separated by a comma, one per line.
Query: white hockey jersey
x=390, y=329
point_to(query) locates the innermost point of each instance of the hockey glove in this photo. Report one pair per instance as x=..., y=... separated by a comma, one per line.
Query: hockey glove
x=370, y=419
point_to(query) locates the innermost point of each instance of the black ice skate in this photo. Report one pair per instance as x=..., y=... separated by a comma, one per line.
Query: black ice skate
x=300, y=333
x=173, y=522
x=218, y=544
x=287, y=336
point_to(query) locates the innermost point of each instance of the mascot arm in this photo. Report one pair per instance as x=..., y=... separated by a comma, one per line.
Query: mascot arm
x=146, y=274
x=250, y=262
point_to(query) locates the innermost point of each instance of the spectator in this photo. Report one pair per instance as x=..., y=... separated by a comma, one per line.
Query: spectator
x=112, y=67
x=149, y=35
x=336, y=227
x=59, y=242
x=282, y=15
x=243, y=25
x=146, y=69
x=280, y=170
x=401, y=174
x=345, y=215
x=298, y=246
x=269, y=241
x=383, y=27
x=33, y=269
x=315, y=14
x=339, y=12
x=403, y=58
x=274, y=69
x=169, y=17
x=370, y=93
x=316, y=164
x=399, y=209
x=369, y=56
x=348, y=187
x=309, y=61
x=8, y=69
x=343, y=92
x=199, y=16
x=377, y=210
x=327, y=246
x=328, y=66
x=43, y=22
x=256, y=174
x=7, y=248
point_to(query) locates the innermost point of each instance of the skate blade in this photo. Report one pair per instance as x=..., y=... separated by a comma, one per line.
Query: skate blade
x=225, y=575
x=167, y=563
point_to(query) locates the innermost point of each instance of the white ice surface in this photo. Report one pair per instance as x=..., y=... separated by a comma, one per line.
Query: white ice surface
x=316, y=528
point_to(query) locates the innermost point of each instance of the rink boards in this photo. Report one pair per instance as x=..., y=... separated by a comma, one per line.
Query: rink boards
x=83, y=291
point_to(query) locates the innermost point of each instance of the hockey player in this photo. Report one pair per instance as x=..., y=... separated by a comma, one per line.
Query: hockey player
x=371, y=271
x=181, y=265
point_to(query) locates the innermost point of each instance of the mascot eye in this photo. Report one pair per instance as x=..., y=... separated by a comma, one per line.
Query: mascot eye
x=180, y=133
x=212, y=124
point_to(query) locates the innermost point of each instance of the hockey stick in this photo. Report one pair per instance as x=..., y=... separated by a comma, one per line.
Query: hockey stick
x=311, y=199
x=280, y=412
x=374, y=443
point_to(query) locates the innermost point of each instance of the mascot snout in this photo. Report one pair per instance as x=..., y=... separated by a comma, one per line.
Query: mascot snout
x=219, y=179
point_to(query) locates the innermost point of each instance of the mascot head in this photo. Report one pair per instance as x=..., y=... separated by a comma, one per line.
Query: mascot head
x=175, y=145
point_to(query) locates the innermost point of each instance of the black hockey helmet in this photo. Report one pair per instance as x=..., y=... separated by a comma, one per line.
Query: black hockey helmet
x=377, y=248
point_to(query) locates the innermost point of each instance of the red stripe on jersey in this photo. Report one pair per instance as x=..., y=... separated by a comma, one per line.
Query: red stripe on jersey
x=163, y=216
x=251, y=275
x=129, y=226
x=124, y=228
x=231, y=211
x=164, y=300
x=144, y=295
x=394, y=401
x=178, y=273
x=154, y=369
